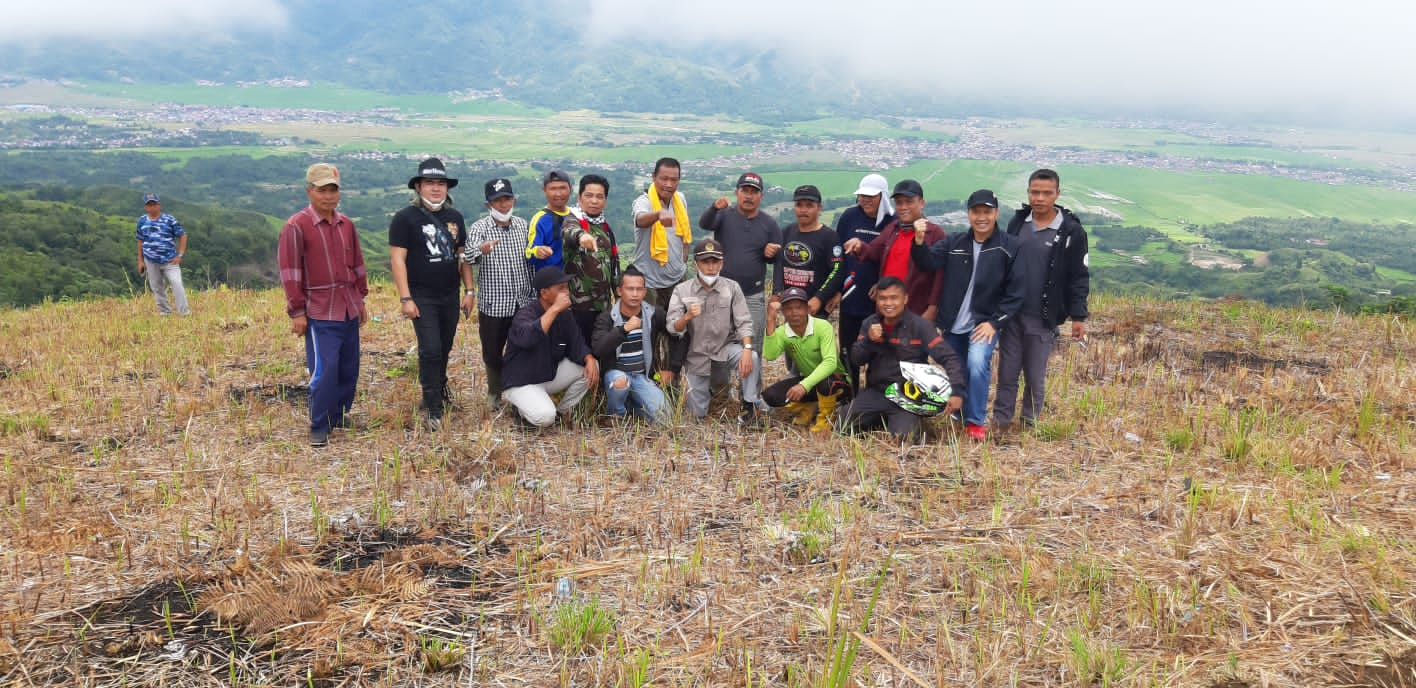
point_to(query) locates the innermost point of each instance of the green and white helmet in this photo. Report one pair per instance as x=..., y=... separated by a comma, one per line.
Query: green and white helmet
x=925, y=391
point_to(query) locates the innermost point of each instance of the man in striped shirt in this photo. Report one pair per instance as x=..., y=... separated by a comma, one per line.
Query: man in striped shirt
x=619, y=342
x=322, y=271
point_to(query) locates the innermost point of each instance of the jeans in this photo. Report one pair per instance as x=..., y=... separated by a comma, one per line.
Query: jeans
x=978, y=363
x=640, y=395
x=162, y=275
x=435, y=327
x=332, y=354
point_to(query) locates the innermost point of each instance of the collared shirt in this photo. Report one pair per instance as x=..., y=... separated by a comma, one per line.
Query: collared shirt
x=321, y=267
x=159, y=237
x=657, y=276
x=1034, y=254
x=724, y=320
x=504, y=275
x=814, y=351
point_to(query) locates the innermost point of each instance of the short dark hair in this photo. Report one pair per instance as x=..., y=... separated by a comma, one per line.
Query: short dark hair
x=890, y=282
x=630, y=271
x=594, y=179
x=666, y=162
x=1045, y=175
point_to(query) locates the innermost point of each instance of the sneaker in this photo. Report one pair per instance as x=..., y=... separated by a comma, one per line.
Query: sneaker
x=977, y=433
x=750, y=415
x=319, y=438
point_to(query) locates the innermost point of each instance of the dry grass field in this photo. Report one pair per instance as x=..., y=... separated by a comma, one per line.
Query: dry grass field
x=1221, y=495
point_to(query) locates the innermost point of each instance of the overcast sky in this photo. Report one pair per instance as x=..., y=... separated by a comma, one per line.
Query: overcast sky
x=1353, y=58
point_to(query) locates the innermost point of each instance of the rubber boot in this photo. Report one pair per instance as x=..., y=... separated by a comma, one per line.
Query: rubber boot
x=801, y=411
x=827, y=405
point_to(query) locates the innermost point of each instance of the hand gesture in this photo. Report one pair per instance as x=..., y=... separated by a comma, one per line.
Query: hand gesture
x=770, y=251
x=666, y=217
x=487, y=246
x=542, y=252
x=877, y=333
x=773, y=308
x=587, y=242
x=633, y=324
x=694, y=310
x=854, y=246
x=562, y=301
x=920, y=227
x=721, y=203
x=813, y=305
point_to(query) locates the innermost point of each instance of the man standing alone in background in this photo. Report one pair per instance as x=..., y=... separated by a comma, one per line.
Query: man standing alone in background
x=161, y=244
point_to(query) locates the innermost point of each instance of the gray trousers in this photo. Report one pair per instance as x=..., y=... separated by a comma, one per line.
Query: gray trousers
x=534, y=402
x=162, y=275
x=699, y=388
x=1023, y=350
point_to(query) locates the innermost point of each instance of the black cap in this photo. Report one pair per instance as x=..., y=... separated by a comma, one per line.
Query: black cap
x=983, y=197
x=908, y=187
x=432, y=168
x=807, y=192
x=707, y=248
x=499, y=188
x=751, y=179
x=548, y=277
x=793, y=294
x=556, y=175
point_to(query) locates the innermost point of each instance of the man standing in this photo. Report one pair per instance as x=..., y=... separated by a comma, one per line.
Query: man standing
x=496, y=244
x=982, y=294
x=891, y=250
x=864, y=221
x=810, y=258
x=424, y=240
x=620, y=342
x=712, y=311
x=322, y=272
x=543, y=239
x=810, y=344
x=1052, y=256
x=892, y=336
x=161, y=244
x=749, y=240
x=545, y=354
x=662, y=235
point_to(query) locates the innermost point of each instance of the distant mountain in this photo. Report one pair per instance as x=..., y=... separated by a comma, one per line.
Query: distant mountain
x=531, y=52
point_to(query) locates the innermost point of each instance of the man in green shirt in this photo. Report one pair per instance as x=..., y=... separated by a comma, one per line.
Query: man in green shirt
x=811, y=345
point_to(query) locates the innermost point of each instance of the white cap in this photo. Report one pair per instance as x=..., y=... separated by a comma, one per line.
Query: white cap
x=872, y=185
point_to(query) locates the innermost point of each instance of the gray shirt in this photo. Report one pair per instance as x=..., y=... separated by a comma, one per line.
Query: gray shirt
x=724, y=320
x=744, y=239
x=656, y=275
x=964, y=322
x=1034, y=250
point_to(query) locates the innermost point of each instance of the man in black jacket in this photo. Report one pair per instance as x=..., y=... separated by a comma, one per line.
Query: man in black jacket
x=891, y=336
x=623, y=343
x=1052, y=257
x=981, y=295
x=546, y=354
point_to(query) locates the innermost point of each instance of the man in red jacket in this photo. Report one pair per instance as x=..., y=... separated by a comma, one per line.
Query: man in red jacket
x=891, y=250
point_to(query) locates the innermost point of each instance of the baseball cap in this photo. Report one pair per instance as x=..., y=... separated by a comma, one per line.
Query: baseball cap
x=908, y=187
x=807, y=192
x=872, y=185
x=548, y=277
x=556, y=176
x=322, y=174
x=983, y=197
x=707, y=248
x=792, y=294
x=751, y=179
x=150, y=198
x=499, y=188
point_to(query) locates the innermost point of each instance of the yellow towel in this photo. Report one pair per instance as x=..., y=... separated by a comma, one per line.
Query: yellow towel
x=659, y=237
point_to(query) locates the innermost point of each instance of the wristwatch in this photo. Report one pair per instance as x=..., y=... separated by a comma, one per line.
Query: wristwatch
x=747, y=346
x=469, y=292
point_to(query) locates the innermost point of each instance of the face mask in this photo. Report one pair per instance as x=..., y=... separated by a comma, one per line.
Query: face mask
x=431, y=205
x=501, y=218
x=708, y=280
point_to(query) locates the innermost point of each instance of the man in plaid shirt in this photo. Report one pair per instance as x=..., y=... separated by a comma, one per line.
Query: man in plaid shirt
x=496, y=245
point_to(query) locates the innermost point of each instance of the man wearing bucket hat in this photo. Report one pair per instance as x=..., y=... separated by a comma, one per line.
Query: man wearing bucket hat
x=424, y=241
x=322, y=272
x=161, y=244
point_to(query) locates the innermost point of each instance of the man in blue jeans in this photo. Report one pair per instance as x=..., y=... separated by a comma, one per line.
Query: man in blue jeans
x=982, y=292
x=622, y=342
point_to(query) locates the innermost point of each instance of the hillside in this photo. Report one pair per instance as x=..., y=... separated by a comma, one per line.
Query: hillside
x=1219, y=496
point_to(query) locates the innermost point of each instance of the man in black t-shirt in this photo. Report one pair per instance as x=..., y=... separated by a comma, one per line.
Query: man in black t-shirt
x=424, y=242
x=810, y=258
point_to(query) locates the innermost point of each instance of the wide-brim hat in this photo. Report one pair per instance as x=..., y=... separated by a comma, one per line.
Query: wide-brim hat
x=432, y=168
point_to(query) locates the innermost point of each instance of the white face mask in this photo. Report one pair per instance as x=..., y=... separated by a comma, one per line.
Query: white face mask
x=431, y=205
x=708, y=280
x=500, y=217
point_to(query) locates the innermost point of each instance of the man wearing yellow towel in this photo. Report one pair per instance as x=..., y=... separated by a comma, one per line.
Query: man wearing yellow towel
x=662, y=234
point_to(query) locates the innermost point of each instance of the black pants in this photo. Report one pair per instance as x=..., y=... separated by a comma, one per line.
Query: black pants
x=493, y=332
x=850, y=330
x=435, y=327
x=870, y=410
x=776, y=394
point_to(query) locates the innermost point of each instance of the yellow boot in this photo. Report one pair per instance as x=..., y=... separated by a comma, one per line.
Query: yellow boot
x=801, y=411
x=827, y=409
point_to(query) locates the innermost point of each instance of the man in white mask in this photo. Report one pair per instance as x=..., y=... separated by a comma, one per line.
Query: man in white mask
x=496, y=247
x=712, y=311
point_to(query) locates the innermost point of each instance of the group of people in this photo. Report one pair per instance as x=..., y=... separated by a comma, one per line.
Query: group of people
x=560, y=313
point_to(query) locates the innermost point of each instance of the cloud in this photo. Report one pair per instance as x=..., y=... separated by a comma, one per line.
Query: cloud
x=25, y=21
x=1253, y=57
